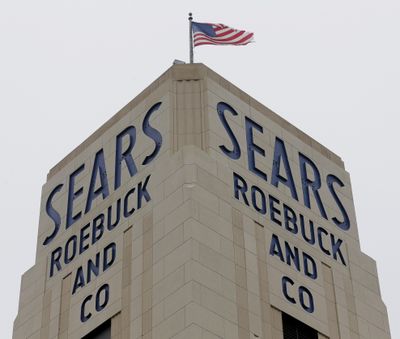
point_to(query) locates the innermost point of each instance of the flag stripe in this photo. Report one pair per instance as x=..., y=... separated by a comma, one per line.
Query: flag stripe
x=243, y=41
x=230, y=38
x=238, y=41
x=219, y=34
x=238, y=37
x=225, y=32
x=233, y=39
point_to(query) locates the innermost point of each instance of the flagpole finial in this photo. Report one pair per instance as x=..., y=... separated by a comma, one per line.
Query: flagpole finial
x=190, y=16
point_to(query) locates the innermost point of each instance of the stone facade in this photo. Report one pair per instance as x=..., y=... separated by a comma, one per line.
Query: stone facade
x=196, y=212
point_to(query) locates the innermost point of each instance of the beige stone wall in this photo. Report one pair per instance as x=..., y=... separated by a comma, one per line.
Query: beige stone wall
x=194, y=261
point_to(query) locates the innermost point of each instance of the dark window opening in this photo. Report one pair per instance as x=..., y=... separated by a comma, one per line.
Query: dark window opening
x=101, y=332
x=295, y=329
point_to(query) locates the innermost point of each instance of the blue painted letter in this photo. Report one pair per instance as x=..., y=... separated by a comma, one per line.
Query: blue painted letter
x=72, y=195
x=53, y=214
x=280, y=154
x=252, y=147
x=235, y=152
x=345, y=224
x=126, y=155
x=99, y=169
x=152, y=133
x=314, y=184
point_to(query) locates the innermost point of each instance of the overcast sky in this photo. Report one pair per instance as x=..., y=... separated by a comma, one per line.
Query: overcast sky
x=332, y=68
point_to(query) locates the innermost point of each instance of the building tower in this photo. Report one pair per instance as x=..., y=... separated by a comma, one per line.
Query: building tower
x=197, y=212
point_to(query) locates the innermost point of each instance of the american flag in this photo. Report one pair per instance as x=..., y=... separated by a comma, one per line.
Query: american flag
x=219, y=34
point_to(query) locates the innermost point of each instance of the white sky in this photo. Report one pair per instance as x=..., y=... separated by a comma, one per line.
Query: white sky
x=332, y=68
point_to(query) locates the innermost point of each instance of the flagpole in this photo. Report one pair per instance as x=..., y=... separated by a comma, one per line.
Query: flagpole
x=191, y=37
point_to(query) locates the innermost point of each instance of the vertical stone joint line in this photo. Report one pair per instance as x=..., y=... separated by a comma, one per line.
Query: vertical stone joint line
x=266, y=312
x=63, y=323
x=242, y=300
x=332, y=314
x=147, y=275
x=46, y=309
x=125, y=318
